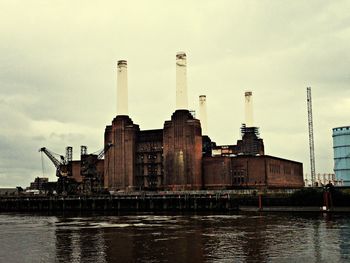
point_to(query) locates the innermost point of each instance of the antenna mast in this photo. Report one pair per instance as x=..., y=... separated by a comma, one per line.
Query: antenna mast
x=311, y=136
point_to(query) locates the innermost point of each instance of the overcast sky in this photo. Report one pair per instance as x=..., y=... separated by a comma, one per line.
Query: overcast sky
x=58, y=73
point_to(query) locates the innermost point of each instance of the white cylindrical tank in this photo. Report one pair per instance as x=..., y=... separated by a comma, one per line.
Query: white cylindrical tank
x=203, y=114
x=341, y=148
x=122, y=88
x=181, y=81
x=248, y=108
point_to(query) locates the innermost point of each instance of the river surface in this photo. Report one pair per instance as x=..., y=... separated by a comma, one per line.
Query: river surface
x=246, y=237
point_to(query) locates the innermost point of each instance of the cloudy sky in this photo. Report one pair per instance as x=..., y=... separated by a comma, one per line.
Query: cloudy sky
x=58, y=72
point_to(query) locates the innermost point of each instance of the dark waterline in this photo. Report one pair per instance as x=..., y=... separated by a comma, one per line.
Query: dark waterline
x=239, y=237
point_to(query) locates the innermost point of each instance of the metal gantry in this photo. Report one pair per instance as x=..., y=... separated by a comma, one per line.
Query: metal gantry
x=92, y=177
x=311, y=136
x=69, y=154
x=83, y=150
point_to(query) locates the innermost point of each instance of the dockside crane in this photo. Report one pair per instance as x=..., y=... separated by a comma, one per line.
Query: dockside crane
x=65, y=184
x=60, y=164
x=102, y=153
x=92, y=179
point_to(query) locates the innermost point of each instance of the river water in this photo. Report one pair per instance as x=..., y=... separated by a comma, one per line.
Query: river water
x=241, y=237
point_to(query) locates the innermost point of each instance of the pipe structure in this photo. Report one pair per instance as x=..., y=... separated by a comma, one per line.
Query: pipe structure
x=122, y=88
x=181, y=81
x=203, y=114
x=248, y=108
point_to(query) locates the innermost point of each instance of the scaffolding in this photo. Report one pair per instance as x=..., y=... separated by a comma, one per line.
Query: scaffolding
x=250, y=130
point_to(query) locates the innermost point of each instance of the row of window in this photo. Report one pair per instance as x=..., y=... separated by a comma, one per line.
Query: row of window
x=276, y=168
x=152, y=148
x=238, y=180
x=240, y=172
x=149, y=157
x=287, y=170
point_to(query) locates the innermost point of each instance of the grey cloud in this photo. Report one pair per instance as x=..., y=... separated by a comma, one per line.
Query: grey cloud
x=39, y=138
x=66, y=136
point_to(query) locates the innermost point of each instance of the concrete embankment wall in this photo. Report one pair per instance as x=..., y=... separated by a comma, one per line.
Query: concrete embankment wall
x=230, y=200
x=125, y=203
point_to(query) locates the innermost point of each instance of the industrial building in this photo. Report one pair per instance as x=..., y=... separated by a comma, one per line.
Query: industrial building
x=39, y=183
x=341, y=148
x=178, y=156
x=181, y=155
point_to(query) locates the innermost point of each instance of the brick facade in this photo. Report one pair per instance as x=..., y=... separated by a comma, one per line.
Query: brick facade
x=120, y=161
x=177, y=157
x=182, y=151
x=251, y=171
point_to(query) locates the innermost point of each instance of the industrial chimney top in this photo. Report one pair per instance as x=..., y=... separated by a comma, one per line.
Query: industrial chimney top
x=181, y=53
x=122, y=63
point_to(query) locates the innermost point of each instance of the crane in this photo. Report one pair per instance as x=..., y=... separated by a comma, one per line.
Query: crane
x=92, y=179
x=311, y=136
x=89, y=161
x=104, y=150
x=60, y=164
x=65, y=184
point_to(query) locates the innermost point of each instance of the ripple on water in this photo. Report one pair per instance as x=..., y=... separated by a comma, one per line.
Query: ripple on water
x=157, y=238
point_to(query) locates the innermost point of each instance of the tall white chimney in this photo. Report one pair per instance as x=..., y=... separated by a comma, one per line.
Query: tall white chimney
x=122, y=87
x=181, y=81
x=248, y=109
x=203, y=113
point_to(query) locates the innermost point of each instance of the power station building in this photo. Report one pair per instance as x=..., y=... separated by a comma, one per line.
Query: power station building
x=181, y=155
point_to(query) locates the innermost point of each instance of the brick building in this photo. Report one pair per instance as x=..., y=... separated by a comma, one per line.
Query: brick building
x=251, y=171
x=39, y=183
x=179, y=157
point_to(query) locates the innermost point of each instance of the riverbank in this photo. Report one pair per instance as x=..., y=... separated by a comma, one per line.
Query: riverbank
x=284, y=200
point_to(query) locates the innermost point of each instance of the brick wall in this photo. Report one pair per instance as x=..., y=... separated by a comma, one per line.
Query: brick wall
x=182, y=151
x=120, y=159
x=251, y=171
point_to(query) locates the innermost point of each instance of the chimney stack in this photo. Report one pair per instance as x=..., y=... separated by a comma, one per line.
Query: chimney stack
x=203, y=113
x=181, y=81
x=122, y=88
x=248, y=109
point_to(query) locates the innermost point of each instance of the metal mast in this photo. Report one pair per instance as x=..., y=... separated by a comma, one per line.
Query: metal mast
x=311, y=136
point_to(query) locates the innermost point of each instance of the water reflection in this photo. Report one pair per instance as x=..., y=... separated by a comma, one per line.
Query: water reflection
x=255, y=245
x=176, y=238
x=125, y=239
x=214, y=238
x=75, y=244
